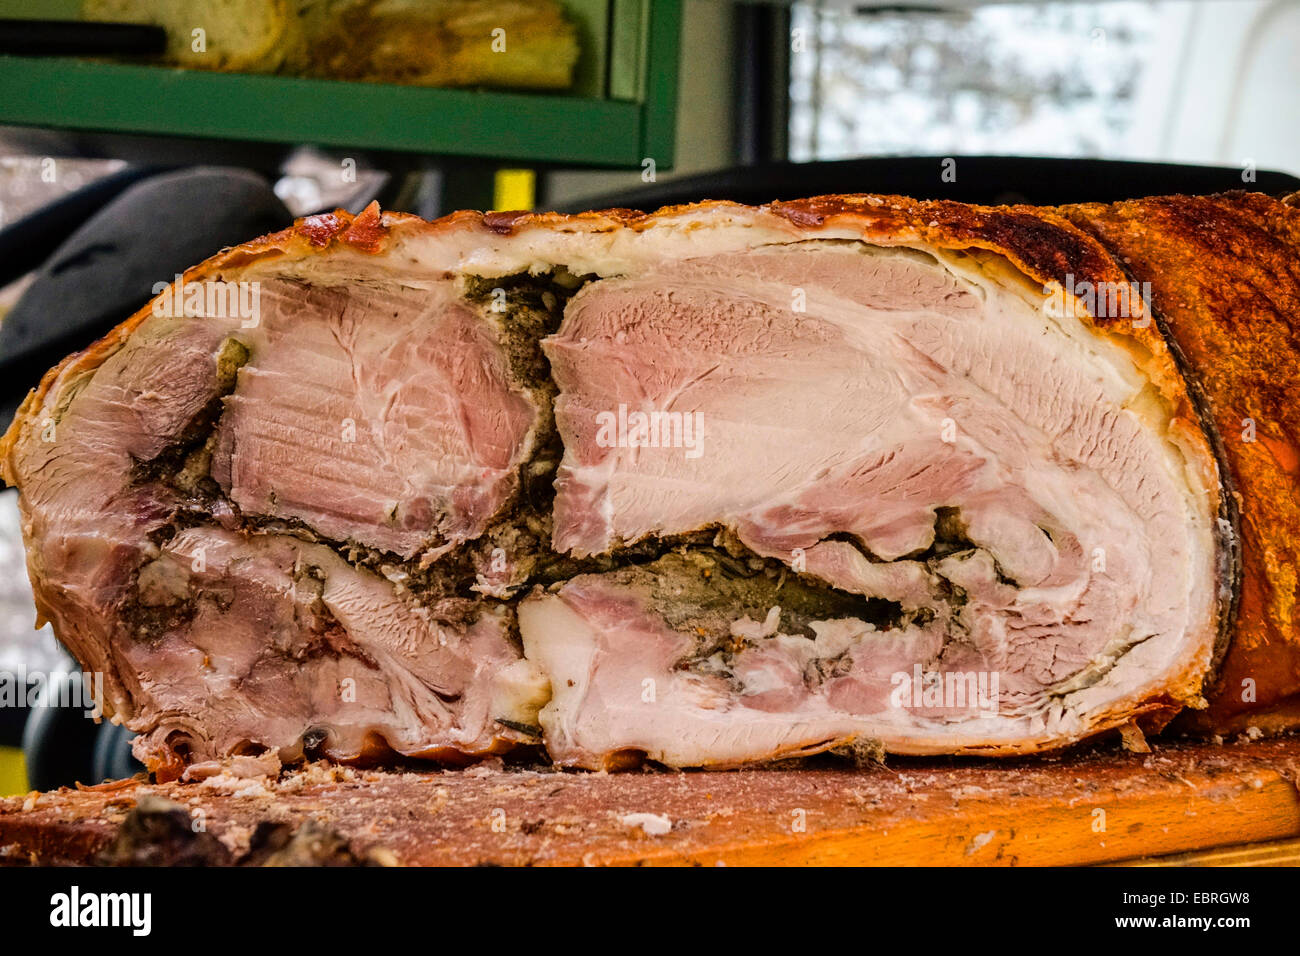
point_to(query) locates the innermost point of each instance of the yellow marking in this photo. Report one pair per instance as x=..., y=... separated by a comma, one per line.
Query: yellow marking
x=514, y=189
x=13, y=772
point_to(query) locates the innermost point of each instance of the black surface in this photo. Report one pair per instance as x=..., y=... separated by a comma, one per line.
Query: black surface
x=59, y=743
x=112, y=758
x=80, y=38
x=12, y=720
x=1106, y=906
x=761, y=100
x=991, y=180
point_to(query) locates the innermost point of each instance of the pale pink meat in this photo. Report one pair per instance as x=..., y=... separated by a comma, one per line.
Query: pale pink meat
x=382, y=418
x=844, y=396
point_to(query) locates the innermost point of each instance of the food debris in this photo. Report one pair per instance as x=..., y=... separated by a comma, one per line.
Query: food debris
x=652, y=823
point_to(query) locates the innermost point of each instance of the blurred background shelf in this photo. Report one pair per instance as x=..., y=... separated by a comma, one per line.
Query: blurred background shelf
x=77, y=95
x=620, y=111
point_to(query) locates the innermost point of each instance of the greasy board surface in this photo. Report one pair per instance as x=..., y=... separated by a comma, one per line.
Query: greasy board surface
x=1101, y=806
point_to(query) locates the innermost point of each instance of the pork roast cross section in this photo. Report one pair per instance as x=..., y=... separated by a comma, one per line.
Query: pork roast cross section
x=709, y=487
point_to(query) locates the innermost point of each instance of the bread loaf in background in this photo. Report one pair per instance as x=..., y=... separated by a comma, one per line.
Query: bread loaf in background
x=444, y=43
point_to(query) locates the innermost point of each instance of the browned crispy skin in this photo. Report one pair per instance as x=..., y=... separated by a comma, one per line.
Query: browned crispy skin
x=1225, y=277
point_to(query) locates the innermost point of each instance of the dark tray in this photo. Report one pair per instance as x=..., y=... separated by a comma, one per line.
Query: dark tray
x=991, y=180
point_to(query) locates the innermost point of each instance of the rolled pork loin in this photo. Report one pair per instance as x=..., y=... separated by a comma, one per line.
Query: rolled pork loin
x=706, y=487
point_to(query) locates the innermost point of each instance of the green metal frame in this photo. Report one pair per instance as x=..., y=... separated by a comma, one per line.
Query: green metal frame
x=633, y=63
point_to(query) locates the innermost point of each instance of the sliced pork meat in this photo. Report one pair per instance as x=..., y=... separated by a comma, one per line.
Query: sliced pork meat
x=918, y=429
x=193, y=466
x=707, y=487
x=283, y=641
x=378, y=416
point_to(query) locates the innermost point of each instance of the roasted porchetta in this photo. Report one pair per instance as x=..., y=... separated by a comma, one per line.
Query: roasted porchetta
x=706, y=487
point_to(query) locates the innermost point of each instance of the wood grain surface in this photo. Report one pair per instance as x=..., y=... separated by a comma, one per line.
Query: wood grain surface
x=1094, y=807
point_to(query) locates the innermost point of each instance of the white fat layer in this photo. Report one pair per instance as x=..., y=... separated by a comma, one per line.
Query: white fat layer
x=1149, y=663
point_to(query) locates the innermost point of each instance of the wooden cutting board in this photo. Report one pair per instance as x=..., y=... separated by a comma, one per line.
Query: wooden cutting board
x=1093, y=807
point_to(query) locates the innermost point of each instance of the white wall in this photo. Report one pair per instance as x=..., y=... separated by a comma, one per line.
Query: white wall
x=1241, y=96
x=704, y=107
